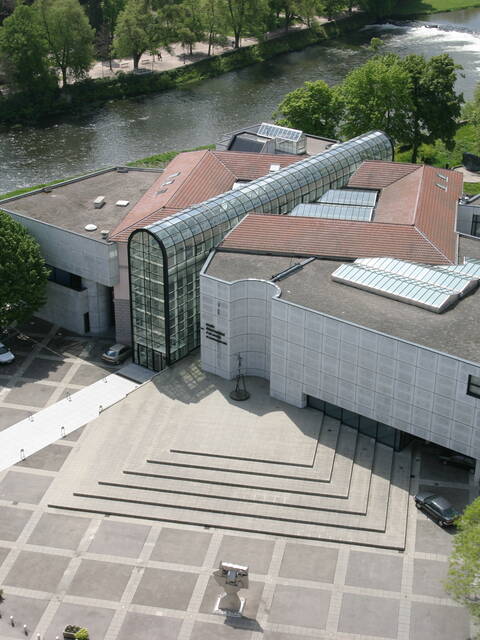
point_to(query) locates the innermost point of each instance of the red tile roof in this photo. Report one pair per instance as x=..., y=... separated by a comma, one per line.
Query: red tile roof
x=201, y=175
x=339, y=239
x=378, y=174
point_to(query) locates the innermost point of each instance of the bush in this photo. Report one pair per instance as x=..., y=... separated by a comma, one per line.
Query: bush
x=82, y=634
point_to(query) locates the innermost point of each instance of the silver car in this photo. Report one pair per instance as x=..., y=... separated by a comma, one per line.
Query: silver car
x=116, y=353
x=6, y=356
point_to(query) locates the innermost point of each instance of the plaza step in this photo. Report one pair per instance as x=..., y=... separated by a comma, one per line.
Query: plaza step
x=321, y=470
x=289, y=492
x=392, y=537
x=338, y=486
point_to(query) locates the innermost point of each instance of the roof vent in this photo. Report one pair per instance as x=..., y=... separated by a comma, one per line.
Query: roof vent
x=167, y=182
x=174, y=175
x=441, y=186
x=440, y=175
x=90, y=227
x=122, y=169
x=47, y=189
x=99, y=202
x=104, y=234
x=273, y=168
x=122, y=203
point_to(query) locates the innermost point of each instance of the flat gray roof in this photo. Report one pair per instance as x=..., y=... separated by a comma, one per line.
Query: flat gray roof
x=70, y=205
x=454, y=332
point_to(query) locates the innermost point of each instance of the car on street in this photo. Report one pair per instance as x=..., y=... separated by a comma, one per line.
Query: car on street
x=6, y=356
x=116, y=354
x=438, y=507
x=458, y=460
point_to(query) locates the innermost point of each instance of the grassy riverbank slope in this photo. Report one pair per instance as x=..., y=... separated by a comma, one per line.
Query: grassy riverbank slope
x=419, y=7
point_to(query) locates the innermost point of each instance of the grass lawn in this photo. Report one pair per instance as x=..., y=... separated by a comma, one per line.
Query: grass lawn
x=415, y=7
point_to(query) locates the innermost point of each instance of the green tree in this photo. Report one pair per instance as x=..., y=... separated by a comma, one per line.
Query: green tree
x=463, y=581
x=213, y=20
x=314, y=108
x=377, y=96
x=378, y=8
x=23, y=275
x=245, y=15
x=24, y=54
x=332, y=8
x=136, y=31
x=435, y=106
x=191, y=28
x=69, y=36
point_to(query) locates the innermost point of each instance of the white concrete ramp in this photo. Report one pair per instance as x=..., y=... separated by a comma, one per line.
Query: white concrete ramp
x=58, y=420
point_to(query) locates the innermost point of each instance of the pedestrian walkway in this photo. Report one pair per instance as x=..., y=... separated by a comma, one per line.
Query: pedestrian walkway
x=58, y=420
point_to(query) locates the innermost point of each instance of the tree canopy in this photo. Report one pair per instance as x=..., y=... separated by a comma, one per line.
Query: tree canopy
x=463, y=581
x=314, y=108
x=69, y=36
x=412, y=99
x=135, y=32
x=23, y=275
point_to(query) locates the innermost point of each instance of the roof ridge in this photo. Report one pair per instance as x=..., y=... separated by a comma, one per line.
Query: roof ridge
x=425, y=237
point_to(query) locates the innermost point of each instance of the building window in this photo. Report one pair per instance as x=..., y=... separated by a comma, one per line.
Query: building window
x=473, y=386
x=65, y=278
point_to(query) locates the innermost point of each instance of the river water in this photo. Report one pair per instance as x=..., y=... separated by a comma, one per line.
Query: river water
x=183, y=118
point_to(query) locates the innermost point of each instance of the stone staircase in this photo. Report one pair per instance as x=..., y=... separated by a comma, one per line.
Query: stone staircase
x=356, y=491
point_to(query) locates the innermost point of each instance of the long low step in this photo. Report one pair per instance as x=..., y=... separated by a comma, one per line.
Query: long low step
x=374, y=519
x=302, y=494
x=339, y=485
x=320, y=471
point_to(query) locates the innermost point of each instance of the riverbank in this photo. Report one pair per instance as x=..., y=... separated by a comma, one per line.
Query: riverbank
x=91, y=93
x=416, y=8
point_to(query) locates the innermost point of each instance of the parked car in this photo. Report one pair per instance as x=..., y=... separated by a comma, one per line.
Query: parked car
x=6, y=356
x=438, y=507
x=116, y=353
x=458, y=460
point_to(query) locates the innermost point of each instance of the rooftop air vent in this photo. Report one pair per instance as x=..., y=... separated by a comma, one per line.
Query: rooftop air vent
x=174, y=175
x=90, y=227
x=441, y=186
x=273, y=168
x=167, y=182
x=122, y=203
x=99, y=202
x=47, y=189
x=161, y=191
x=104, y=234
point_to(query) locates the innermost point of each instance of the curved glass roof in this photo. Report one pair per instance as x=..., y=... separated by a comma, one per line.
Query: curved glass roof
x=305, y=180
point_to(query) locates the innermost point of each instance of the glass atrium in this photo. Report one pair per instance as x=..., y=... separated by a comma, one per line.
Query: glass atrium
x=165, y=258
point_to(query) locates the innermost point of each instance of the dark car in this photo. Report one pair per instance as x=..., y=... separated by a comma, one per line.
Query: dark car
x=438, y=507
x=457, y=460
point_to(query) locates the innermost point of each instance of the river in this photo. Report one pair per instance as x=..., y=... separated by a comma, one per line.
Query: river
x=126, y=130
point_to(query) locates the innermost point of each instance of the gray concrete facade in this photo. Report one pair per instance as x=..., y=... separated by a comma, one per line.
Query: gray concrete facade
x=307, y=353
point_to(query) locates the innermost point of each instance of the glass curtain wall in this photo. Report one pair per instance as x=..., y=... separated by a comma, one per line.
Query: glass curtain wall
x=166, y=257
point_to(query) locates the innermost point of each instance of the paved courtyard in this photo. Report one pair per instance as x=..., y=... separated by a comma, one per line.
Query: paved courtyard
x=128, y=578
x=50, y=363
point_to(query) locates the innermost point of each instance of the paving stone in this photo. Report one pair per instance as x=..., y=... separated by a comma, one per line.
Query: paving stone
x=224, y=631
x=88, y=374
x=24, y=487
x=59, y=530
x=429, y=577
x=14, y=367
x=438, y=622
x=65, y=345
x=75, y=435
x=40, y=571
x=3, y=554
x=24, y=611
x=139, y=626
x=10, y=416
x=430, y=538
x=43, y=369
x=32, y=394
x=102, y=580
x=181, y=546
x=49, y=459
x=119, y=539
x=95, y=619
x=306, y=562
x=256, y=553
x=374, y=571
x=300, y=606
x=165, y=588
x=12, y=522
x=36, y=325
x=253, y=597
x=278, y=635
x=369, y=615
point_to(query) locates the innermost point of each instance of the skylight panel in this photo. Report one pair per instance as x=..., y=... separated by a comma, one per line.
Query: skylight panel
x=267, y=130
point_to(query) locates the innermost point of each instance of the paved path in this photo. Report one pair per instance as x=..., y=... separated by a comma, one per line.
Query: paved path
x=58, y=420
